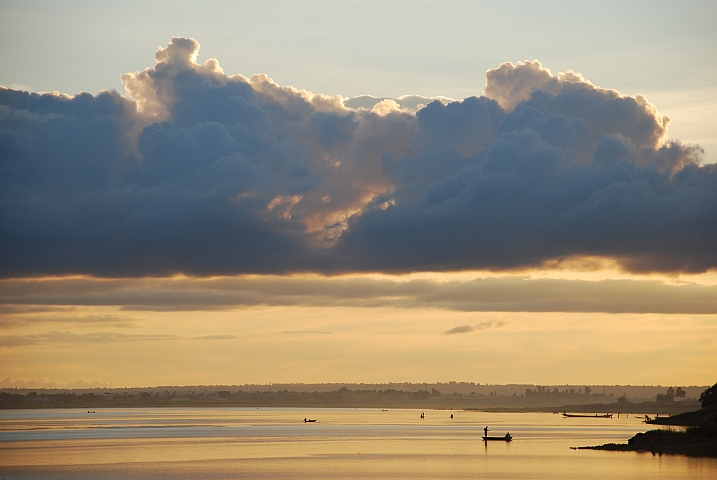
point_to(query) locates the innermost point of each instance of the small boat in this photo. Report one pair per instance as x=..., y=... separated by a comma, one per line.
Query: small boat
x=572, y=415
x=507, y=438
x=310, y=420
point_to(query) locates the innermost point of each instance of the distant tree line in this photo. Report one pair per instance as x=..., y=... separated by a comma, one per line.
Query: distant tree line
x=538, y=397
x=238, y=398
x=670, y=395
x=541, y=391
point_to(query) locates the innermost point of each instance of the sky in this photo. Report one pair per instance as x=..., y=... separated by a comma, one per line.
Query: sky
x=246, y=192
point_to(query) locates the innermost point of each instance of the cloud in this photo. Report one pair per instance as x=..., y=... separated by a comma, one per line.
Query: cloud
x=21, y=310
x=305, y=332
x=45, y=382
x=202, y=173
x=17, y=315
x=217, y=337
x=56, y=336
x=513, y=293
x=410, y=103
x=88, y=384
x=476, y=327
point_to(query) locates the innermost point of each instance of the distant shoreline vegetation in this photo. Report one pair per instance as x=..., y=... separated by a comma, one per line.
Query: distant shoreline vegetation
x=537, y=398
x=699, y=438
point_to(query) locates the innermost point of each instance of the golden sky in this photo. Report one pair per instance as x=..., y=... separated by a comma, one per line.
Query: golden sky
x=546, y=327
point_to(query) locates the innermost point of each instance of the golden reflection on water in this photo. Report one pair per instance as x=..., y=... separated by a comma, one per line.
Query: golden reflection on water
x=345, y=443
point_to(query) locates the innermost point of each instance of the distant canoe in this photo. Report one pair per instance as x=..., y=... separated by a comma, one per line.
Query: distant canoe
x=309, y=421
x=507, y=438
x=571, y=415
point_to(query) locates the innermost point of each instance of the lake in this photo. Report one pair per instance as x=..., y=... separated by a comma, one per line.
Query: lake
x=228, y=443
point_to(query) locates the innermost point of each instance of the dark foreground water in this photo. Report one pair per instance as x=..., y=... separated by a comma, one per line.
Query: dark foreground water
x=227, y=443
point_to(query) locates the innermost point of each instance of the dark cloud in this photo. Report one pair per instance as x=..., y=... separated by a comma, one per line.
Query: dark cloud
x=507, y=294
x=9, y=310
x=201, y=173
x=474, y=328
x=459, y=329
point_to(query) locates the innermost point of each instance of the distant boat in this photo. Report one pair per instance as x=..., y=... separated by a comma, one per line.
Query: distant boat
x=572, y=415
x=507, y=438
x=309, y=420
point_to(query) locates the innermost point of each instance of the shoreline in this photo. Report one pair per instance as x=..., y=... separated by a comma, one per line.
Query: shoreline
x=659, y=442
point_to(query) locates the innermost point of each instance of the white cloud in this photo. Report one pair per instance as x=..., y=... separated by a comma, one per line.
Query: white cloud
x=45, y=382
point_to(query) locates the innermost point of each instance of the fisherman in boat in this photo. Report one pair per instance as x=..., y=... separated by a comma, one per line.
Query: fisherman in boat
x=486, y=431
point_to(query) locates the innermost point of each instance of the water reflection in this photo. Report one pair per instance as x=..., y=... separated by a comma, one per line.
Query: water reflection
x=346, y=443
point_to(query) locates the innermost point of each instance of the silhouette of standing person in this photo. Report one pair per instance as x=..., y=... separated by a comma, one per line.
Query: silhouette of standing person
x=486, y=431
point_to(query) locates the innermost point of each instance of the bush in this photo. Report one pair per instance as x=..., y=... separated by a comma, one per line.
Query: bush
x=709, y=396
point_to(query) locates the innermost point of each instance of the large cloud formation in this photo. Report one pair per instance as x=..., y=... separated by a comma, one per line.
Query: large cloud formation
x=44, y=300
x=203, y=173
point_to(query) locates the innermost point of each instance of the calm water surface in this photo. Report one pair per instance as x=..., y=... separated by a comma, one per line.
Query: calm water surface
x=226, y=443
